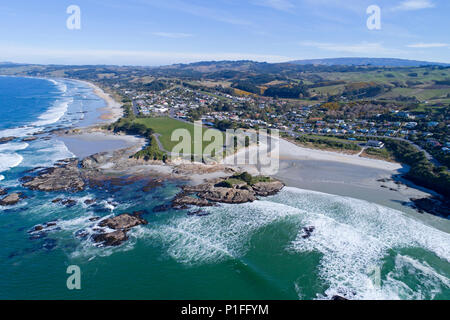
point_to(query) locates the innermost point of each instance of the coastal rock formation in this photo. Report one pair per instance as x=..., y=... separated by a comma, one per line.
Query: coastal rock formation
x=435, y=206
x=307, y=232
x=228, y=195
x=224, y=190
x=65, y=202
x=89, y=202
x=111, y=239
x=29, y=139
x=11, y=199
x=121, y=225
x=123, y=222
x=94, y=161
x=339, y=298
x=265, y=189
x=7, y=139
x=182, y=201
x=66, y=176
x=198, y=188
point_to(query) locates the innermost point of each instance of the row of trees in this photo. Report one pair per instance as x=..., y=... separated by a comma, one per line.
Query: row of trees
x=422, y=172
x=152, y=151
x=328, y=143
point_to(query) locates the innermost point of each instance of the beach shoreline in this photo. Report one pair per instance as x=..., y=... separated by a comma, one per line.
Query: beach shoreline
x=113, y=110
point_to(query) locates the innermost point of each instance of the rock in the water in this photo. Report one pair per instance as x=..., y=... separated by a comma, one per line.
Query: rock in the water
x=123, y=222
x=65, y=202
x=162, y=208
x=89, y=202
x=184, y=201
x=338, y=298
x=66, y=177
x=7, y=139
x=37, y=228
x=221, y=191
x=436, y=206
x=11, y=199
x=307, y=232
x=28, y=139
x=111, y=239
x=152, y=184
x=3, y=192
x=265, y=189
x=228, y=195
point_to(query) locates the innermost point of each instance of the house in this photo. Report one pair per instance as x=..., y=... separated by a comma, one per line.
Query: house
x=375, y=144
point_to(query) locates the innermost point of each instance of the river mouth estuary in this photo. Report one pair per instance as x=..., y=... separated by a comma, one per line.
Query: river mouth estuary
x=297, y=244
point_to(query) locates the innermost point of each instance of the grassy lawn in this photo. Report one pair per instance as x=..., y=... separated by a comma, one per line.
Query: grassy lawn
x=337, y=139
x=165, y=126
x=381, y=154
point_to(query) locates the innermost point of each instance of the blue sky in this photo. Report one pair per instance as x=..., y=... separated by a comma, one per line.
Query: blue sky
x=157, y=32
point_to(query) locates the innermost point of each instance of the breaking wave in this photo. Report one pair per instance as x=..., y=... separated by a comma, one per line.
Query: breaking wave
x=353, y=237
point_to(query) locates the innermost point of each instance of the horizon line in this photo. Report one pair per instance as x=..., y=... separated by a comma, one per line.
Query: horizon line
x=230, y=60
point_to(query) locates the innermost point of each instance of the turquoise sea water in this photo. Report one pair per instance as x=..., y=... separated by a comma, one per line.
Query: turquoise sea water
x=251, y=251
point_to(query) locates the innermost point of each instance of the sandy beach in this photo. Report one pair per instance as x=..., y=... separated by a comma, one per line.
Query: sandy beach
x=291, y=151
x=88, y=143
x=113, y=110
x=345, y=175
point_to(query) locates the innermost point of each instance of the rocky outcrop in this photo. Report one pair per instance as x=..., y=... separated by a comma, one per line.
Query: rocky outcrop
x=183, y=201
x=29, y=139
x=436, y=206
x=307, y=232
x=66, y=176
x=65, y=202
x=7, y=139
x=111, y=239
x=94, y=161
x=223, y=191
x=265, y=189
x=123, y=222
x=11, y=199
x=198, y=188
x=228, y=195
x=339, y=298
x=121, y=225
x=90, y=202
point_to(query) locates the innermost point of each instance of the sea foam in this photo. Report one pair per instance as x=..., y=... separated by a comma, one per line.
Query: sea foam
x=352, y=236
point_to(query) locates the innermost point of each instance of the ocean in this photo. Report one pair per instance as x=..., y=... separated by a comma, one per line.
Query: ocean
x=260, y=250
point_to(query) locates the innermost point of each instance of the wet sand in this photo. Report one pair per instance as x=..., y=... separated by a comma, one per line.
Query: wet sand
x=86, y=144
x=349, y=180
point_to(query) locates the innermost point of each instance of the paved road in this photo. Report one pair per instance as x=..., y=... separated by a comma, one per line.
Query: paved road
x=135, y=109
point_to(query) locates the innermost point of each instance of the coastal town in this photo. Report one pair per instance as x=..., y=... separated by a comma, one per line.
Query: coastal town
x=223, y=110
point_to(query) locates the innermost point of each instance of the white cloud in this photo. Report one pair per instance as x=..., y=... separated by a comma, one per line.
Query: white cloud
x=172, y=35
x=283, y=5
x=368, y=48
x=409, y=5
x=428, y=45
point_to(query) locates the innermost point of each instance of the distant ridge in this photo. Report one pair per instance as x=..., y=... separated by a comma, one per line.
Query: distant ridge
x=377, y=62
